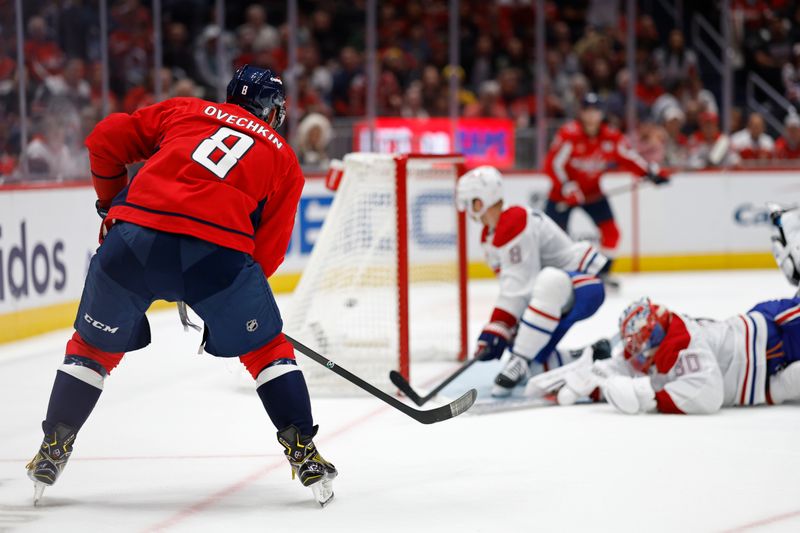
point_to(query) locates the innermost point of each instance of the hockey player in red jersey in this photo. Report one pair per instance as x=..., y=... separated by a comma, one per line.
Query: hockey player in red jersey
x=582, y=151
x=547, y=281
x=206, y=221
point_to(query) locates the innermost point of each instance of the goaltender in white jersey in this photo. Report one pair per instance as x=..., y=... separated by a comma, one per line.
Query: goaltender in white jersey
x=547, y=281
x=671, y=363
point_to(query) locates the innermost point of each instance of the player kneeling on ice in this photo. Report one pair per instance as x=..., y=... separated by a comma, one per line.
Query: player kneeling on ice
x=671, y=363
x=547, y=281
x=206, y=221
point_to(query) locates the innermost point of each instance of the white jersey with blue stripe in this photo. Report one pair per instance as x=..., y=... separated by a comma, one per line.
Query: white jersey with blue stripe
x=526, y=240
x=739, y=345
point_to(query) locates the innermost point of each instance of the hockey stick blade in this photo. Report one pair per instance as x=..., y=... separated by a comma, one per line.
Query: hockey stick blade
x=431, y=416
x=404, y=387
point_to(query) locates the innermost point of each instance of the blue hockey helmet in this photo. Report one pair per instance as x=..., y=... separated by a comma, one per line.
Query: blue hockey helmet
x=260, y=91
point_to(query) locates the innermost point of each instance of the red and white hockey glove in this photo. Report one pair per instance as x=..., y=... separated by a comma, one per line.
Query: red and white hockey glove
x=572, y=193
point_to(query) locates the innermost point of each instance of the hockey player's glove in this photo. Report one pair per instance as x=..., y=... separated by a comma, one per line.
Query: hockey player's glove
x=492, y=341
x=106, y=224
x=572, y=193
x=656, y=175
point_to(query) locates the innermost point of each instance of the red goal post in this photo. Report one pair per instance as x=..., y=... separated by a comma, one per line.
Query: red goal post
x=403, y=160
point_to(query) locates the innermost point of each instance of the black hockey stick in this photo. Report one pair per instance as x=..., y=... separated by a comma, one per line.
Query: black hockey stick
x=432, y=416
x=404, y=387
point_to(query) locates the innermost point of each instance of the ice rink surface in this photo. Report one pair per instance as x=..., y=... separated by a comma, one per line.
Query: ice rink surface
x=176, y=444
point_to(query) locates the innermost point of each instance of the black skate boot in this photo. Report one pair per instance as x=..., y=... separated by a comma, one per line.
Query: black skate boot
x=308, y=464
x=516, y=371
x=51, y=459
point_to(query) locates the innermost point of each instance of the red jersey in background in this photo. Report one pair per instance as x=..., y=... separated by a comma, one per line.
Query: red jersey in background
x=574, y=156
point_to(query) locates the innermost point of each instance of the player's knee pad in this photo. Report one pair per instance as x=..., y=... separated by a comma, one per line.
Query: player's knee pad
x=552, y=296
x=609, y=235
x=552, y=292
x=260, y=358
x=82, y=356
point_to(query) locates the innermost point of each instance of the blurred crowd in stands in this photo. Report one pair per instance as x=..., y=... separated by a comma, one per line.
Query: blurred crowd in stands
x=677, y=93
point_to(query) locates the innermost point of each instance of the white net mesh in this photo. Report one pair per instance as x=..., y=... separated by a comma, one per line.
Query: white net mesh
x=346, y=304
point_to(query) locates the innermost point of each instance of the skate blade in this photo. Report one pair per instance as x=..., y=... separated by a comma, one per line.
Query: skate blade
x=38, y=491
x=323, y=492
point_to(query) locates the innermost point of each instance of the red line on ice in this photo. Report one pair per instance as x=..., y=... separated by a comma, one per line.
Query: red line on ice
x=233, y=488
x=766, y=521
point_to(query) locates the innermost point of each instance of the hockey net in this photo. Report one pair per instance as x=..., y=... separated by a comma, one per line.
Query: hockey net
x=385, y=285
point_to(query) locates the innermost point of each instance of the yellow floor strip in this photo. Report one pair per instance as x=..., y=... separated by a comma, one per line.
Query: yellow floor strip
x=29, y=322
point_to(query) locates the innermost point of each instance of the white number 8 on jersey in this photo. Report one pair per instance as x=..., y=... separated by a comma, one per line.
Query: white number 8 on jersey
x=231, y=155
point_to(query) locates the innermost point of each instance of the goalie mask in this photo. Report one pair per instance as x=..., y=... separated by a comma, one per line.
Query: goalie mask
x=641, y=329
x=483, y=183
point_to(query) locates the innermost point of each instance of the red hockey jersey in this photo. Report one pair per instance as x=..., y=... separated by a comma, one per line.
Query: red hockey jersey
x=574, y=156
x=212, y=171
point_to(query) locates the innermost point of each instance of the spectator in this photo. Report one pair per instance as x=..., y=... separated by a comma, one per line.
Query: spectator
x=788, y=145
x=707, y=147
x=319, y=76
x=184, y=87
x=675, y=143
x=696, y=94
x=349, y=69
x=265, y=37
x=69, y=87
x=674, y=61
x=412, y=103
x=649, y=87
x=672, y=98
x=48, y=155
x=205, y=56
x=578, y=88
x=178, y=53
x=752, y=143
x=489, y=104
x=651, y=144
x=311, y=142
x=43, y=57
x=483, y=67
x=791, y=75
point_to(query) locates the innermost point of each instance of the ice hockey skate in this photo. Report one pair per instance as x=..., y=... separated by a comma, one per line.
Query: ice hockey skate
x=45, y=468
x=516, y=371
x=307, y=464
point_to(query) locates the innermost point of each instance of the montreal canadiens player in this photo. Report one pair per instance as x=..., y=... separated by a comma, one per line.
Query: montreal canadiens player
x=581, y=152
x=547, y=281
x=672, y=363
x=206, y=221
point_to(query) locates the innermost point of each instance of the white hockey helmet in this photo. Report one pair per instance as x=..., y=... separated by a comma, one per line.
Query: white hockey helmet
x=482, y=183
